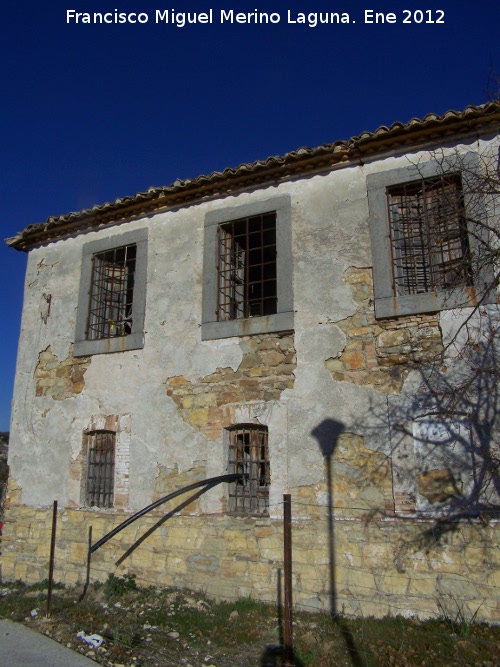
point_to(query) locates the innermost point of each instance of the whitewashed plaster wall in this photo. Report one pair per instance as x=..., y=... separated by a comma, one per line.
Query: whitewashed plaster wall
x=330, y=231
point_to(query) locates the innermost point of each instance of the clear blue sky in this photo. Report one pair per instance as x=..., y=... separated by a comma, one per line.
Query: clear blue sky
x=94, y=112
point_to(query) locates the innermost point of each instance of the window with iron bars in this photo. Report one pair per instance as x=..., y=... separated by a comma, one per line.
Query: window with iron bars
x=430, y=248
x=111, y=293
x=249, y=455
x=99, y=490
x=247, y=285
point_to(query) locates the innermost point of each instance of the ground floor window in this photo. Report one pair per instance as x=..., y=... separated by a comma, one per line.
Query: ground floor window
x=99, y=490
x=249, y=455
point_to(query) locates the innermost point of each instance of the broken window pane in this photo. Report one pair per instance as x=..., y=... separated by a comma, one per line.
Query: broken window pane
x=430, y=248
x=249, y=455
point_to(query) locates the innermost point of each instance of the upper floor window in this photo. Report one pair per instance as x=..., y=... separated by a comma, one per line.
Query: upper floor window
x=248, y=269
x=423, y=238
x=112, y=293
x=249, y=455
x=430, y=247
x=112, y=298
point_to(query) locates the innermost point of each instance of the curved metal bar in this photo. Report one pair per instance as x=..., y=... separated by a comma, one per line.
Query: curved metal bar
x=212, y=481
x=159, y=523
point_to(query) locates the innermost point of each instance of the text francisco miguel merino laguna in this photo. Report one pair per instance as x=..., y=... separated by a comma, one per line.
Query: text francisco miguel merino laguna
x=181, y=19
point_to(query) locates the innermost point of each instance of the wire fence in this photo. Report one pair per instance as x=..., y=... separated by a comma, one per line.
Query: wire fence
x=401, y=572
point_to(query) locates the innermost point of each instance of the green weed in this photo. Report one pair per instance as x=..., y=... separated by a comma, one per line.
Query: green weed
x=459, y=620
x=118, y=586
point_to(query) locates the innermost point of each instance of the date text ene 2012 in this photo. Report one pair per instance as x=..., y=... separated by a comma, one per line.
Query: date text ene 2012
x=409, y=16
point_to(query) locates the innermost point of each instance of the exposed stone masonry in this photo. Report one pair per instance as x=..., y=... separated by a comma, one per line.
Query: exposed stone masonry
x=361, y=478
x=438, y=485
x=170, y=479
x=381, y=567
x=266, y=370
x=380, y=353
x=60, y=379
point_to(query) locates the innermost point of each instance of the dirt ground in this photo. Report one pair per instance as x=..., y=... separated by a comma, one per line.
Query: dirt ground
x=173, y=628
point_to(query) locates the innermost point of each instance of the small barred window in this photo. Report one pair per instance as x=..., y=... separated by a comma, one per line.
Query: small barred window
x=249, y=455
x=100, y=469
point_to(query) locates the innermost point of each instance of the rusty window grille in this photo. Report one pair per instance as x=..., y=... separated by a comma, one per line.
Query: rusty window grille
x=111, y=293
x=430, y=248
x=100, y=469
x=249, y=454
x=247, y=285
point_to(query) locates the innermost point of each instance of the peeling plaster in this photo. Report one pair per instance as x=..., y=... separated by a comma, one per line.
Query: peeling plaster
x=316, y=344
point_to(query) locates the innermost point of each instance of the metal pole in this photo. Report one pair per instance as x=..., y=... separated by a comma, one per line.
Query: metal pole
x=287, y=530
x=89, y=555
x=280, y=611
x=51, y=563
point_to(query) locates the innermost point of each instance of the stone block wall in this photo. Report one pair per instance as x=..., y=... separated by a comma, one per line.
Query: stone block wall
x=389, y=566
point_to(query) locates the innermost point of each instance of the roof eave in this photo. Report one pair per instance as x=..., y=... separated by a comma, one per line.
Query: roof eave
x=417, y=133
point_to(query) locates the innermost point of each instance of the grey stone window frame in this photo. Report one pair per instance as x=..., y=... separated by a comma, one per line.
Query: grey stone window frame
x=387, y=303
x=135, y=339
x=283, y=319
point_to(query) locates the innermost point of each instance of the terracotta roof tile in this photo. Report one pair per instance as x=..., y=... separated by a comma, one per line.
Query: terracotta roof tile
x=302, y=160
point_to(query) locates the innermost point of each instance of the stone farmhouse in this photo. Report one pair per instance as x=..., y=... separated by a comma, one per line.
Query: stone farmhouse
x=310, y=322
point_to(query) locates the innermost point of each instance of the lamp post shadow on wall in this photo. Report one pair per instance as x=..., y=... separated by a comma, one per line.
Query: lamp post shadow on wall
x=327, y=434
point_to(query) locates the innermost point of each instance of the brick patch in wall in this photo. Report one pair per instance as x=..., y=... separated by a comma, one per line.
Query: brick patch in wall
x=120, y=425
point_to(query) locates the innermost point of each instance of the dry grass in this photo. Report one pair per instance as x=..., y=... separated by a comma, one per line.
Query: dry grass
x=169, y=627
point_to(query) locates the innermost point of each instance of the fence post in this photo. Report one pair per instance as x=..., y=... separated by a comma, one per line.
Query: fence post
x=89, y=555
x=287, y=562
x=51, y=562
